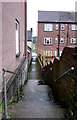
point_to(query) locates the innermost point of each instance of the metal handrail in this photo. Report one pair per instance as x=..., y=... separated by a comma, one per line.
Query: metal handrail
x=23, y=69
x=71, y=69
x=8, y=71
x=5, y=90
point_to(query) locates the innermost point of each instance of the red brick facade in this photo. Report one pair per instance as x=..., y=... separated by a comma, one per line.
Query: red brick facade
x=12, y=11
x=42, y=48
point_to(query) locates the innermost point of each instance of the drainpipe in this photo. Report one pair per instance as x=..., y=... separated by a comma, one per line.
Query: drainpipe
x=59, y=42
x=67, y=34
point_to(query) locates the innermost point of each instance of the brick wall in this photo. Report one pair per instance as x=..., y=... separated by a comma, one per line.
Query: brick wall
x=12, y=84
x=53, y=34
x=65, y=87
x=10, y=12
x=41, y=34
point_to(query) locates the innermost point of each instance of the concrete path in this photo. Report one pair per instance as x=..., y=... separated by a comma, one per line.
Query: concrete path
x=38, y=101
x=34, y=72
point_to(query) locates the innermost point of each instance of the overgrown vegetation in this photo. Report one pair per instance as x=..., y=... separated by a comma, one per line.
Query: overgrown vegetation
x=34, y=51
x=15, y=99
x=29, y=70
x=21, y=91
x=2, y=107
x=21, y=94
x=38, y=69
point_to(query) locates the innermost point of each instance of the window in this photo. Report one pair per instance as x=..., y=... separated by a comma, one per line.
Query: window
x=48, y=27
x=56, y=26
x=62, y=26
x=56, y=40
x=17, y=38
x=74, y=27
x=73, y=40
x=48, y=53
x=55, y=53
x=47, y=41
x=62, y=40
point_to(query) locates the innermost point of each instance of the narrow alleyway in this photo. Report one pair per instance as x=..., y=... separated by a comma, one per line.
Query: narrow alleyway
x=34, y=72
x=38, y=101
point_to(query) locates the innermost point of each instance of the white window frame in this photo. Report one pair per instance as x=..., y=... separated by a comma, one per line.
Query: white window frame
x=62, y=39
x=56, y=40
x=17, y=39
x=56, y=26
x=73, y=41
x=48, y=27
x=62, y=26
x=74, y=27
x=48, y=53
x=47, y=41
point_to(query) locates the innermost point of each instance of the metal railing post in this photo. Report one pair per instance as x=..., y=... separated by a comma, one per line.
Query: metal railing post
x=18, y=87
x=5, y=94
x=21, y=76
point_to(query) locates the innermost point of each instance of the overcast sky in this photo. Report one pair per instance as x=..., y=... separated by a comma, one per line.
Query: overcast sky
x=47, y=5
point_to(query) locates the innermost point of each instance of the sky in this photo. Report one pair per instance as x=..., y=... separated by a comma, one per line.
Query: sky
x=46, y=5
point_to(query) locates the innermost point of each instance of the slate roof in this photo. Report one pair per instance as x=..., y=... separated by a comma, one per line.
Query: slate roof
x=56, y=16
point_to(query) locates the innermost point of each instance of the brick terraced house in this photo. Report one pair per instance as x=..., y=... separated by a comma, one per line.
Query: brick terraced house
x=13, y=40
x=55, y=31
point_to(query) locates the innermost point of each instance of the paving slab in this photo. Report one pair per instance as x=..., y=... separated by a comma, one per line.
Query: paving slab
x=36, y=103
